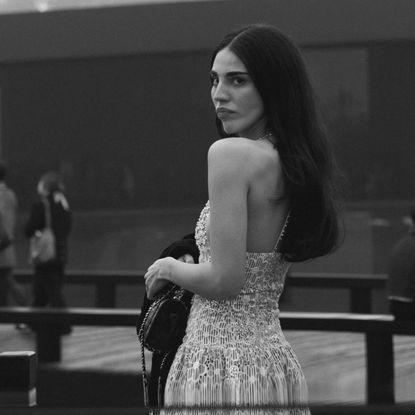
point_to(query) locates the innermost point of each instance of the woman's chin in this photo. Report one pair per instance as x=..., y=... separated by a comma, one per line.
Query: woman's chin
x=229, y=130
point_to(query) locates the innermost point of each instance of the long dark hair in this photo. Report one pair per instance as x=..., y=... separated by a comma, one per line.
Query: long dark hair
x=278, y=71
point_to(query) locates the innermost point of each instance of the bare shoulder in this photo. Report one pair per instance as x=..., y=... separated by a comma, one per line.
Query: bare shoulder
x=228, y=154
x=234, y=150
x=251, y=153
x=230, y=144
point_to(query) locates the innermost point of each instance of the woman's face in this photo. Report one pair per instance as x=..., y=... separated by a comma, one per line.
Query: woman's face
x=237, y=101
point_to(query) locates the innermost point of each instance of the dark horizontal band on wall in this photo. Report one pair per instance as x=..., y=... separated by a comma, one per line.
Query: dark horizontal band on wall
x=190, y=26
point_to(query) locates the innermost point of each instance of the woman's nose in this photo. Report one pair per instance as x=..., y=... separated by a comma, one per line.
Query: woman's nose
x=220, y=92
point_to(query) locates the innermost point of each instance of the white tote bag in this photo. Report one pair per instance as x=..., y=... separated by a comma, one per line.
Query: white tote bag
x=42, y=243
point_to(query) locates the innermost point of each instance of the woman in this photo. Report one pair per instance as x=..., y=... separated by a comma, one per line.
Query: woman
x=271, y=202
x=48, y=276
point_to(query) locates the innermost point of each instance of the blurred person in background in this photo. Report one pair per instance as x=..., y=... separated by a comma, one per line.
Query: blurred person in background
x=49, y=276
x=8, y=210
x=401, y=281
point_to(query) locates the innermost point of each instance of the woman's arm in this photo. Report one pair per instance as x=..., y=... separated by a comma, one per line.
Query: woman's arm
x=228, y=173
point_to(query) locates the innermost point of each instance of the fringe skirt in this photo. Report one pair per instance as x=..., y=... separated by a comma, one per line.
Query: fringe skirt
x=240, y=379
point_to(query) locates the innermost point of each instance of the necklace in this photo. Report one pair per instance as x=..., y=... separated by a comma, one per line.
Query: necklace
x=267, y=136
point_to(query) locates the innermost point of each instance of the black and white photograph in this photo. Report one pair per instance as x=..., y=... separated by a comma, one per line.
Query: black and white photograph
x=207, y=207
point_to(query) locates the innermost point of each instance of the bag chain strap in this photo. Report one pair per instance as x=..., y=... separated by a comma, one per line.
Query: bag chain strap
x=141, y=338
x=144, y=375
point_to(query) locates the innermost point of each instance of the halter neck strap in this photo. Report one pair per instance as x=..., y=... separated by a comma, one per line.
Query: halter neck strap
x=280, y=236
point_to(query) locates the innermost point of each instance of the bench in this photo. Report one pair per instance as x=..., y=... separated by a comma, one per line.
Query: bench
x=378, y=329
x=18, y=378
x=360, y=286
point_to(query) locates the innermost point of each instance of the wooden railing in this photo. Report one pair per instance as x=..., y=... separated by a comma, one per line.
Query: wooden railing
x=378, y=330
x=360, y=286
x=105, y=282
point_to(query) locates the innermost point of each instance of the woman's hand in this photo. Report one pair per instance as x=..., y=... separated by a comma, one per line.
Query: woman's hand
x=158, y=274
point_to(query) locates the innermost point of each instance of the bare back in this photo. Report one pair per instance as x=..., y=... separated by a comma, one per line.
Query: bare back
x=266, y=200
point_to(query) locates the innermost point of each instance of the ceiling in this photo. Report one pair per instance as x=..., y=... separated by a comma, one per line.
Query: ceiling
x=25, y=6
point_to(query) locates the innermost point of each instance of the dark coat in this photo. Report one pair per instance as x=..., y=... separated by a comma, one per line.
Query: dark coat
x=160, y=369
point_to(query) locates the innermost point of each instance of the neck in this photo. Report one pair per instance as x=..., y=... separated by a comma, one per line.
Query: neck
x=255, y=131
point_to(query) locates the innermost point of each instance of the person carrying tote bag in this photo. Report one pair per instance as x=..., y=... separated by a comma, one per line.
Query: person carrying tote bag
x=42, y=243
x=50, y=214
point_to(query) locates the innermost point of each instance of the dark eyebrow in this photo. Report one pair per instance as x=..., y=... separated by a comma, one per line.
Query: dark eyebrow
x=234, y=73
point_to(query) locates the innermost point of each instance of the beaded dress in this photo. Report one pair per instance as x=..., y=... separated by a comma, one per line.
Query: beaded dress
x=234, y=352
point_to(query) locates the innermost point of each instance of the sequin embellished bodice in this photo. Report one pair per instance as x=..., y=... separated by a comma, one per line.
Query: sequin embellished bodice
x=234, y=352
x=265, y=271
x=253, y=314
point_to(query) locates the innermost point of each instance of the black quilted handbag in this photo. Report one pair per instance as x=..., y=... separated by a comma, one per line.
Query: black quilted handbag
x=163, y=327
x=165, y=322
